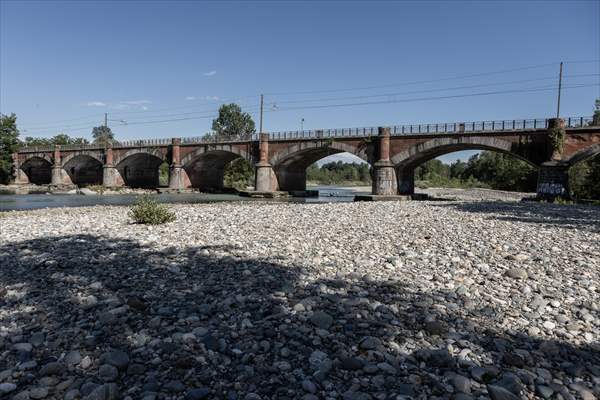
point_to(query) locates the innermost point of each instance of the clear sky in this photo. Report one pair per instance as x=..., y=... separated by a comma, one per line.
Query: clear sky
x=64, y=64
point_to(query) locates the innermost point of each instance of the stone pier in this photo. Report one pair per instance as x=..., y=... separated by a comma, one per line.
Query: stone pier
x=57, y=170
x=110, y=175
x=176, y=169
x=384, y=176
x=264, y=175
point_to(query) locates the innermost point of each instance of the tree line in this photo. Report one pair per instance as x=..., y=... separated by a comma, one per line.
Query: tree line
x=338, y=172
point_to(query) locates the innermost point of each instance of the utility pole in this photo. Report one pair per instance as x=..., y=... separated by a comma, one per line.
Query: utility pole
x=559, y=87
x=106, y=120
x=261, y=114
x=302, y=124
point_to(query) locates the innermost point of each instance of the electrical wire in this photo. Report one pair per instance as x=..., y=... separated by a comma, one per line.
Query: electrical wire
x=546, y=88
x=417, y=82
x=428, y=98
x=427, y=90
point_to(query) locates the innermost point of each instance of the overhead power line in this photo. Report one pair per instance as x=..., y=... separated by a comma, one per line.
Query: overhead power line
x=546, y=88
x=429, y=98
x=504, y=71
x=427, y=90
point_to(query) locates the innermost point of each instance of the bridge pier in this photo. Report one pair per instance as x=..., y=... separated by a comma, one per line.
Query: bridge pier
x=20, y=177
x=553, y=181
x=264, y=175
x=176, y=169
x=110, y=175
x=57, y=170
x=384, y=179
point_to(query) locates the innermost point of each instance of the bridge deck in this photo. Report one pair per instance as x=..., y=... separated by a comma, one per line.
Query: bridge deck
x=480, y=127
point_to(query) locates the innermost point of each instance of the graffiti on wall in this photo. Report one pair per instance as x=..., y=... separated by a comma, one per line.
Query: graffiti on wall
x=553, y=189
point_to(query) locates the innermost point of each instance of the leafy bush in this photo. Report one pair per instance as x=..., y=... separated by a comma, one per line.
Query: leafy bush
x=148, y=211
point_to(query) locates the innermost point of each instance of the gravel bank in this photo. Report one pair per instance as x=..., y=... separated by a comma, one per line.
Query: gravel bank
x=348, y=301
x=475, y=194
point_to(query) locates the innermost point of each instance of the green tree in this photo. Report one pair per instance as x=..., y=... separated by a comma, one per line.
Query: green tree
x=9, y=142
x=232, y=122
x=37, y=141
x=103, y=135
x=238, y=174
x=596, y=118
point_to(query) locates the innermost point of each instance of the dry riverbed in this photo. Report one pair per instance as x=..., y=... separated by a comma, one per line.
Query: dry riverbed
x=423, y=300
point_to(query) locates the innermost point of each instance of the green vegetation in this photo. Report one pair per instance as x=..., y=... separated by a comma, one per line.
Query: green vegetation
x=232, y=122
x=557, y=141
x=584, y=179
x=163, y=174
x=103, y=135
x=146, y=210
x=61, y=138
x=339, y=172
x=487, y=170
x=9, y=142
x=239, y=174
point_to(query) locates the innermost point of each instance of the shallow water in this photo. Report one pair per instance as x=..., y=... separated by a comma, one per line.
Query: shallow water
x=12, y=202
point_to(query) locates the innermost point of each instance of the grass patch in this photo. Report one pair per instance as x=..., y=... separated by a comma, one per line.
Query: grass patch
x=146, y=210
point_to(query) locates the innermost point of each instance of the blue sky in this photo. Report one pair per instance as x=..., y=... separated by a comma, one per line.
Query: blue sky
x=64, y=64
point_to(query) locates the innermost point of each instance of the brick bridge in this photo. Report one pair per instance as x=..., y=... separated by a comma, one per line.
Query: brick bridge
x=281, y=158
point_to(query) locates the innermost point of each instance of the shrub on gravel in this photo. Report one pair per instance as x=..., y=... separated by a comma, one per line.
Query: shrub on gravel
x=146, y=210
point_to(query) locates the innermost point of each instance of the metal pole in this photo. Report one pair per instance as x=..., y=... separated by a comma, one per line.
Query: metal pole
x=105, y=119
x=559, y=87
x=261, y=113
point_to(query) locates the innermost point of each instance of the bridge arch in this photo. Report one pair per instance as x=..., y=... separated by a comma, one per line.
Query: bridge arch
x=205, y=167
x=315, y=150
x=38, y=169
x=83, y=169
x=422, y=152
x=407, y=160
x=584, y=154
x=290, y=164
x=140, y=168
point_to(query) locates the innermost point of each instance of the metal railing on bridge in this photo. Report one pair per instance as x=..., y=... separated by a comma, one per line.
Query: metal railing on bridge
x=440, y=128
x=396, y=130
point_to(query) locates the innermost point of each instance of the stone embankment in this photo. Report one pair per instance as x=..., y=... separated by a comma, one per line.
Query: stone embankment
x=421, y=300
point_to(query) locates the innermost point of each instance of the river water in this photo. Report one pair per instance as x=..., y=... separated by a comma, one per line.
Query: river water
x=13, y=202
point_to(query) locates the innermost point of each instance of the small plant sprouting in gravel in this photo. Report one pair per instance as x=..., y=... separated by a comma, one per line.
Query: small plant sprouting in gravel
x=146, y=210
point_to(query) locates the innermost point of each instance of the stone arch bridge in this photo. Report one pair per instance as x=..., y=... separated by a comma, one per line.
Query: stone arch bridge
x=281, y=158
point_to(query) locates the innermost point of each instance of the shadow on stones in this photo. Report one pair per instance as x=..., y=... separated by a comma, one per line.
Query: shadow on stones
x=565, y=216
x=208, y=322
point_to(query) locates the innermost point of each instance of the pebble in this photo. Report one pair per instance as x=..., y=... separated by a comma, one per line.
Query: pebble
x=461, y=299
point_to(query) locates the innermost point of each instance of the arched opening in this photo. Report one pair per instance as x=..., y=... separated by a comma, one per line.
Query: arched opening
x=219, y=170
x=84, y=170
x=38, y=170
x=584, y=175
x=140, y=170
x=163, y=174
x=341, y=169
x=452, y=167
x=293, y=170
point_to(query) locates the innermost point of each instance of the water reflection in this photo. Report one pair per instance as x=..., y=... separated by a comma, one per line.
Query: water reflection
x=35, y=201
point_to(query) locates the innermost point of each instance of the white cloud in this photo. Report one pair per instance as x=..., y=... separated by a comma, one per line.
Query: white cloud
x=215, y=98
x=211, y=73
x=191, y=98
x=137, y=102
x=96, y=104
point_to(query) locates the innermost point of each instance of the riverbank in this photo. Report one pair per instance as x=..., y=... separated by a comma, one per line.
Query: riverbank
x=247, y=300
